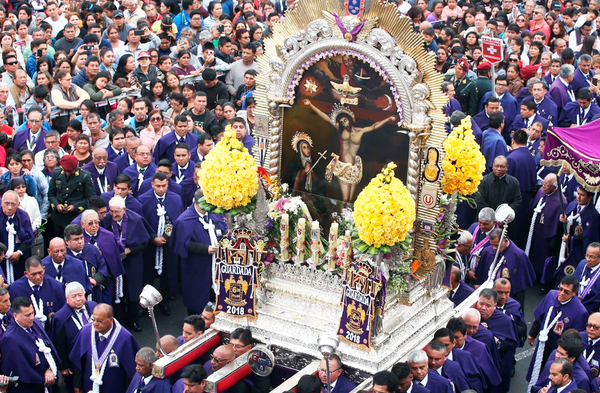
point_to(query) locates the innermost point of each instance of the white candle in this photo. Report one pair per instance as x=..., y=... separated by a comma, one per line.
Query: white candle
x=300, y=233
x=333, y=237
x=285, y=236
x=315, y=242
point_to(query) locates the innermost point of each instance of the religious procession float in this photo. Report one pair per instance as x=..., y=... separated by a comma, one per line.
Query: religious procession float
x=341, y=220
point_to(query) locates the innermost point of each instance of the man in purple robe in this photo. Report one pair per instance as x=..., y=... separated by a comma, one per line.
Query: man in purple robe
x=438, y=362
x=143, y=381
x=569, y=347
x=161, y=209
x=422, y=375
x=568, y=183
x=28, y=351
x=103, y=171
x=584, y=75
x=588, y=274
x=122, y=188
x=590, y=339
x=165, y=147
x=492, y=105
x=6, y=314
x=561, y=90
x=183, y=172
x=64, y=268
x=193, y=326
x=116, y=138
x=126, y=160
x=548, y=323
x=464, y=359
x=583, y=227
x=528, y=115
x=464, y=343
x=142, y=169
x=32, y=137
x=196, y=234
x=405, y=379
x=17, y=234
x=65, y=327
x=104, y=352
x=504, y=331
x=459, y=290
x=543, y=235
x=132, y=233
x=579, y=112
x=477, y=332
x=193, y=380
x=164, y=166
x=546, y=108
x=510, y=106
x=93, y=263
x=521, y=165
x=511, y=307
x=46, y=293
x=512, y=264
x=486, y=222
x=106, y=244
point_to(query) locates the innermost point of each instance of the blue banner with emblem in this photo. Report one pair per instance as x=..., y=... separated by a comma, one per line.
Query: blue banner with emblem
x=359, y=296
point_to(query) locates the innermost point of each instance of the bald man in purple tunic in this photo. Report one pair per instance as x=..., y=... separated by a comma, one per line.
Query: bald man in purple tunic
x=104, y=352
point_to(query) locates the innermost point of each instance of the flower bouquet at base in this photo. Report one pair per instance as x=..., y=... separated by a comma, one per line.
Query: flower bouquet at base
x=229, y=178
x=384, y=214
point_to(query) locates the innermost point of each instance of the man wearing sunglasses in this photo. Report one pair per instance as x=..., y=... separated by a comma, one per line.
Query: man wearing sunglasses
x=220, y=358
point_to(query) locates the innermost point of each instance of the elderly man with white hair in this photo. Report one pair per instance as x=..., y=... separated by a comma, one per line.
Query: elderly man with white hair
x=66, y=324
x=418, y=362
x=133, y=234
x=17, y=234
x=475, y=330
x=103, y=171
x=143, y=381
x=106, y=243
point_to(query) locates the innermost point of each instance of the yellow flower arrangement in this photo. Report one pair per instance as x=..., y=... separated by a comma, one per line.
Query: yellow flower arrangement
x=229, y=177
x=463, y=164
x=384, y=212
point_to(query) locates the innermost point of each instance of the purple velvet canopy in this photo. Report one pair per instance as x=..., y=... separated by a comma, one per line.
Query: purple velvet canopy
x=577, y=148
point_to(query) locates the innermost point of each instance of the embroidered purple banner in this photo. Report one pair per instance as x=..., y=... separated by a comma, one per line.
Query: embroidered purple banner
x=236, y=275
x=358, y=304
x=577, y=148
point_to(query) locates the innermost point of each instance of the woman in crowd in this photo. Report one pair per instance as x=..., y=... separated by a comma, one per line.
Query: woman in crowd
x=82, y=149
x=248, y=114
x=228, y=114
x=158, y=95
x=436, y=12
x=64, y=65
x=468, y=21
x=88, y=106
x=7, y=43
x=99, y=89
x=44, y=78
x=15, y=169
x=26, y=202
x=172, y=82
x=66, y=97
x=515, y=83
x=183, y=66
x=107, y=61
x=125, y=105
x=51, y=161
x=535, y=52
x=256, y=33
x=67, y=140
x=113, y=37
x=44, y=65
x=125, y=67
x=145, y=72
x=165, y=65
x=156, y=129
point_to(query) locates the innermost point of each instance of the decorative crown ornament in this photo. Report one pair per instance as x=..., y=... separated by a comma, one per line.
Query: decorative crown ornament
x=298, y=137
x=339, y=109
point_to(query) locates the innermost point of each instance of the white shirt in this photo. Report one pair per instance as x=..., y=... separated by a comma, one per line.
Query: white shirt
x=107, y=334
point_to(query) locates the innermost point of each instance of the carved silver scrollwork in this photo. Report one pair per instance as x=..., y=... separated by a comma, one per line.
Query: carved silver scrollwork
x=380, y=39
x=406, y=65
x=315, y=31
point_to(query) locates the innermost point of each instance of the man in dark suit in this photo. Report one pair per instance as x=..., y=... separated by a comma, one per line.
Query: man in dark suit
x=405, y=379
x=584, y=75
x=339, y=383
x=527, y=117
x=459, y=289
